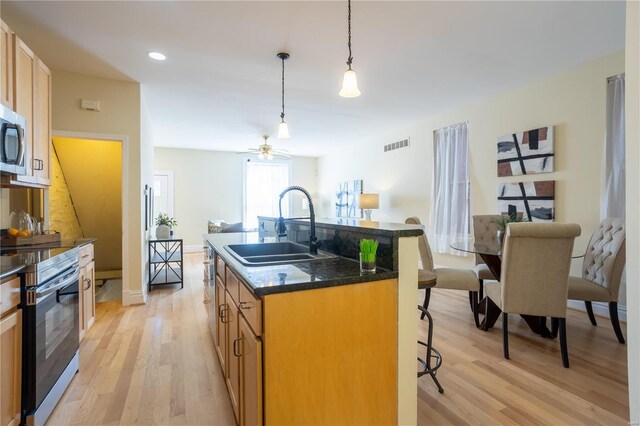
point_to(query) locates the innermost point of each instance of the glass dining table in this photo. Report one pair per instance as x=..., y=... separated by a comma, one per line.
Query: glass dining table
x=491, y=254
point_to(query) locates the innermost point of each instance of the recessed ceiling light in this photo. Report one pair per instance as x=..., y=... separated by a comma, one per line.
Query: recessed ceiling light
x=157, y=56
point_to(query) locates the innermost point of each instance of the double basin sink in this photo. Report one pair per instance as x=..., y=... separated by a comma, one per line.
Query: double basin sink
x=274, y=253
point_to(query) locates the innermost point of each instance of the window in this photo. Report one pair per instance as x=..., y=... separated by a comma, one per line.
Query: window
x=450, y=210
x=263, y=183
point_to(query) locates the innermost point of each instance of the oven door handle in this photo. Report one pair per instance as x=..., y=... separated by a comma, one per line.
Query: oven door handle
x=73, y=277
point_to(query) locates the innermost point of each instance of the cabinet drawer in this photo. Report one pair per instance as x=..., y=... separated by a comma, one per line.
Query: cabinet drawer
x=251, y=307
x=10, y=294
x=220, y=269
x=233, y=286
x=86, y=254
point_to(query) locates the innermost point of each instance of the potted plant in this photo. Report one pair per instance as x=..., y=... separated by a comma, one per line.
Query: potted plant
x=503, y=222
x=368, y=249
x=164, y=225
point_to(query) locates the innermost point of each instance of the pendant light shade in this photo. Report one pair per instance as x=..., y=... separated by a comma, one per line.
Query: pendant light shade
x=283, y=129
x=349, y=80
x=350, y=85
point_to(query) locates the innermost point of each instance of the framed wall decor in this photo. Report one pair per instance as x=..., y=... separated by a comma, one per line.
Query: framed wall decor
x=534, y=201
x=526, y=153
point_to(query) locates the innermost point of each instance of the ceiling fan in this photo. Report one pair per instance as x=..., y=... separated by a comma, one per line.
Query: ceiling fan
x=266, y=151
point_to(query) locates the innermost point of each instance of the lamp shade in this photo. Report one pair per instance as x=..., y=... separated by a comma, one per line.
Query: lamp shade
x=283, y=130
x=349, y=85
x=368, y=201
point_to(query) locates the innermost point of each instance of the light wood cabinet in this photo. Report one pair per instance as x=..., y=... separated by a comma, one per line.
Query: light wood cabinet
x=220, y=337
x=42, y=138
x=26, y=88
x=250, y=375
x=6, y=65
x=86, y=290
x=10, y=368
x=233, y=356
x=24, y=96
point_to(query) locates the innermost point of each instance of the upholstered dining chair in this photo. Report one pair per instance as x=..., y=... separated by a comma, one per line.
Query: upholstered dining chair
x=536, y=259
x=446, y=278
x=485, y=229
x=602, y=271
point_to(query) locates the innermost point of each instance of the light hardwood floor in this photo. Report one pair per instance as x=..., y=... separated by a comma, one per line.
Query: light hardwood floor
x=155, y=364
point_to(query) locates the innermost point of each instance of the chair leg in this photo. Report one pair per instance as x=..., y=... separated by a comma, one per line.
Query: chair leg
x=587, y=304
x=487, y=314
x=471, y=300
x=425, y=303
x=563, y=341
x=505, y=334
x=554, y=327
x=476, y=318
x=613, y=314
x=481, y=292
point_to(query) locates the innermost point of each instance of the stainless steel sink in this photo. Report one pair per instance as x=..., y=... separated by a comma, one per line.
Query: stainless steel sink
x=273, y=253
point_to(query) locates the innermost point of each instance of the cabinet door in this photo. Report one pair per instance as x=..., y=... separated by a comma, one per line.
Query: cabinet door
x=10, y=368
x=233, y=357
x=42, y=141
x=250, y=375
x=25, y=65
x=6, y=65
x=221, y=329
x=89, y=296
x=81, y=285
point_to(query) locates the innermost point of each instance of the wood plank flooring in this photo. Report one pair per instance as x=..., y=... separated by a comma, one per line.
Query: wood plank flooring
x=155, y=364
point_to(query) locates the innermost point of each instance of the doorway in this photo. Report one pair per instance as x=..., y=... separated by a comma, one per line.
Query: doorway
x=86, y=201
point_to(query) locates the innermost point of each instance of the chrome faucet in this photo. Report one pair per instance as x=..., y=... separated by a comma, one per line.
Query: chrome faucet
x=282, y=229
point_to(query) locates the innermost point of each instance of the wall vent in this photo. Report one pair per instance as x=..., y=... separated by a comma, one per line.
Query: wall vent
x=397, y=145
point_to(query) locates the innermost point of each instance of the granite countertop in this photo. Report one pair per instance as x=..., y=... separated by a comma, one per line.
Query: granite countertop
x=15, y=259
x=379, y=228
x=272, y=279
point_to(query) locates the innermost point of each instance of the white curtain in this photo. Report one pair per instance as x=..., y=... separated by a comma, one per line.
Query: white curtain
x=264, y=181
x=612, y=198
x=450, y=219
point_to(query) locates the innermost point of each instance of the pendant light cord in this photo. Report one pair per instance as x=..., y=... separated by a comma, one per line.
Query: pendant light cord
x=350, y=59
x=282, y=113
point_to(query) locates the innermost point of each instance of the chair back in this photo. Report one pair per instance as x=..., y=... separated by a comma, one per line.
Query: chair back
x=606, y=255
x=536, y=259
x=426, y=258
x=485, y=229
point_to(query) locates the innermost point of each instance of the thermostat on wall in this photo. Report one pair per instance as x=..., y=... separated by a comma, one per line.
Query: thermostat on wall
x=90, y=105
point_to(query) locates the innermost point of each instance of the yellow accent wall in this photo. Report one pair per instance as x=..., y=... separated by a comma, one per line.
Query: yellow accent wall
x=93, y=173
x=62, y=215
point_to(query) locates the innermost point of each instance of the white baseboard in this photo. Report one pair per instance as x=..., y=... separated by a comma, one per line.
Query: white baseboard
x=135, y=297
x=599, y=308
x=192, y=249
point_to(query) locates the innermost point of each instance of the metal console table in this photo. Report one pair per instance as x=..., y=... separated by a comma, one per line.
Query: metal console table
x=165, y=262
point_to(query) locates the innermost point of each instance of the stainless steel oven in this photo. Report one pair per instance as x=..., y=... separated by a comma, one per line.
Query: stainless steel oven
x=50, y=336
x=12, y=142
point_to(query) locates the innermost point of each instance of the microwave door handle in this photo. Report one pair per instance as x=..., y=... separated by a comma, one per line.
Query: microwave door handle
x=21, y=145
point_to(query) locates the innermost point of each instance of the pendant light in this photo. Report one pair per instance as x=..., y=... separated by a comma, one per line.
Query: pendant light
x=283, y=129
x=349, y=81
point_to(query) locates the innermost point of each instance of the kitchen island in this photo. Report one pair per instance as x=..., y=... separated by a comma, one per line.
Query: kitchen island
x=316, y=342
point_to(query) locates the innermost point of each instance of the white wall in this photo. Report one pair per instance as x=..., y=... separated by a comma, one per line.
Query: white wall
x=119, y=115
x=573, y=102
x=208, y=185
x=632, y=109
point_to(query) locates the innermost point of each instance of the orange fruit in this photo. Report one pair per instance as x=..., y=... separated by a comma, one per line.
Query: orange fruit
x=12, y=231
x=24, y=233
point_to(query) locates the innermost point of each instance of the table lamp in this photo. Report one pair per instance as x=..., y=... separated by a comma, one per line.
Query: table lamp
x=368, y=202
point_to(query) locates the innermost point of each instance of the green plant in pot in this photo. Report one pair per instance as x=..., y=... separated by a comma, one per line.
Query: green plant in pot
x=368, y=250
x=164, y=225
x=503, y=222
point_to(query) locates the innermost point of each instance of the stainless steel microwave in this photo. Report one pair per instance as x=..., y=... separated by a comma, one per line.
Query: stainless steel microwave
x=13, y=145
